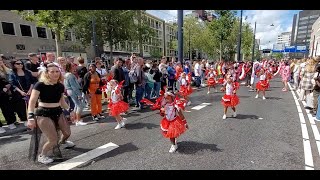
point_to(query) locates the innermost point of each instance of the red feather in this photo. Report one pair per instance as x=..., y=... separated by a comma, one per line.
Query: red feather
x=147, y=102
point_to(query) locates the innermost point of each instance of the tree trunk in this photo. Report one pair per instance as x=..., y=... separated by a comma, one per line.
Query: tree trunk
x=139, y=33
x=111, y=51
x=58, y=43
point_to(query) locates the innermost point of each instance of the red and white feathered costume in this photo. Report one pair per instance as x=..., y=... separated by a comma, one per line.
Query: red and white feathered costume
x=211, y=78
x=185, y=86
x=230, y=99
x=116, y=105
x=172, y=125
x=263, y=83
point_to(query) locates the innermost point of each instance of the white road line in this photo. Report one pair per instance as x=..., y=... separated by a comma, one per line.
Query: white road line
x=85, y=157
x=201, y=106
x=308, y=159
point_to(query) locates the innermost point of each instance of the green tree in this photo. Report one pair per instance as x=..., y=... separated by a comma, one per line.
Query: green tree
x=278, y=55
x=155, y=53
x=222, y=27
x=59, y=21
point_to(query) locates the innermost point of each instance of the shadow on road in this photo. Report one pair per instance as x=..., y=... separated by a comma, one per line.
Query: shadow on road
x=192, y=147
x=275, y=98
x=129, y=147
x=141, y=125
x=11, y=139
x=246, y=116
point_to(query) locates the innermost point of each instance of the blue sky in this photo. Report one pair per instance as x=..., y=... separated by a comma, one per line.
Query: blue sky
x=282, y=20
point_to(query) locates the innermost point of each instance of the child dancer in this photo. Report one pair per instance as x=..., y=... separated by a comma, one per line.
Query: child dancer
x=230, y=99
x=211, y=79
x=185, y=87
x=263, y=84
x=117, y=106
x=173, y=124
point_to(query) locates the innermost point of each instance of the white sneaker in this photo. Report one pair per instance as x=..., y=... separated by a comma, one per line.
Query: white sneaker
x=264, y=98
x=67, y=144
x=2, y=130
x=208, y=92
x=26, y=124
x=216, y=90
x=12, y=126
x=95, y=118
x=234, y=114
x=123, y=122
x=257, y=96
x=123, y=114
x=189, y=103
x=81, y=123
x=173, y=148
x=224, y=116
x=44, y=159
x=118, y=126
x=100, y=116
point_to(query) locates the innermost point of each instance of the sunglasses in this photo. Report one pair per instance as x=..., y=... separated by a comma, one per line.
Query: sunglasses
x=18, y=63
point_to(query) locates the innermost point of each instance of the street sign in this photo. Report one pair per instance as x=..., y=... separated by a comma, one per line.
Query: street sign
x=301, y=49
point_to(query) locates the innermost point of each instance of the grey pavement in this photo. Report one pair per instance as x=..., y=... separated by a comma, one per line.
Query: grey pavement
x=266, y=134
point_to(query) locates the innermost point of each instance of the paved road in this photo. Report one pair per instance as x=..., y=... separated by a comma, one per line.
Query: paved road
x=266, y=135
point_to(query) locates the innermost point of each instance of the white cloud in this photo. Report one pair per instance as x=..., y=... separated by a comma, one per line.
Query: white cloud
x=281, y=19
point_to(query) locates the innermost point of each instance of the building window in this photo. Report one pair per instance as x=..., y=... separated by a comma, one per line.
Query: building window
x=8, y=28
x=303, y=18
x=20, y=47
x=67, y=36
x=25, y=30
x=53, y=35
x=314, y=16
x=41, y=32
x=302, y=27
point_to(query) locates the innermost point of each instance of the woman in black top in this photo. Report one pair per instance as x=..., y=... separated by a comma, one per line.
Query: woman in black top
x=22, y=83
x=49, y=115
x=157, y=78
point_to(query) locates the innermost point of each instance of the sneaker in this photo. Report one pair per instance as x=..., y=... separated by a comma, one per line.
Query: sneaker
x=224, y=116
x=123, y=122
x=189, y=103
x=100, y=116
x=264, y=98
x=216, y=90
x=2, y=130
x=81, y=123
x=208, y=92
x=118, y=126
x=44, y=159
x=123, y=114
x=235, y=114
x=173, y=148
x=95, y=118
x=12, y=126
x=257, y=96
x=67, y=144
x=25, y=124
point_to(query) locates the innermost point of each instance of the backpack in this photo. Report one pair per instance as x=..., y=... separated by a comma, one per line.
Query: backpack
x=133, y=76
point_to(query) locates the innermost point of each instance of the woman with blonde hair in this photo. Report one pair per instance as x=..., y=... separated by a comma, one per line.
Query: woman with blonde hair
x=307, y=75
x=296, y=71
x=48, y=117
x=4, y=70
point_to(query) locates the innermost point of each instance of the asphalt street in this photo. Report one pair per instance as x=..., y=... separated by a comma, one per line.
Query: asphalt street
x=266, y=134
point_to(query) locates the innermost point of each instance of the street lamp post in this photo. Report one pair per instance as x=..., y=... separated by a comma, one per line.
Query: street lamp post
x=180, y=36
x=254, y=41
x=239, y=40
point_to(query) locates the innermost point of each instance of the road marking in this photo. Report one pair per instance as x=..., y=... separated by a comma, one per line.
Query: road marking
x=201, y=106
x=85, y=157
x=308, y=159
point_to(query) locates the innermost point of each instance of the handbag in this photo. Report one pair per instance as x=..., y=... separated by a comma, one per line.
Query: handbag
x=98, y=91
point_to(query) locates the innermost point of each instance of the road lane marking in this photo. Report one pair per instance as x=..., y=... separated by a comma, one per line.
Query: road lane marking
x=308, y=159
x=85, y=157
x=201, y=106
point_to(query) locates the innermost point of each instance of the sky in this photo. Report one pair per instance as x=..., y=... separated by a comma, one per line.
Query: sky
x=281, y=19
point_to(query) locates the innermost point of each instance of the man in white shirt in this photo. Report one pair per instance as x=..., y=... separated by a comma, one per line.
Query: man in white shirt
x=197, y=73
x=163, y=69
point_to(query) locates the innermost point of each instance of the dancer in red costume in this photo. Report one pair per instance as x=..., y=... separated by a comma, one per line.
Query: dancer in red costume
x=185, y=87
x=174, y=123
x=117, y=106
x=230, y=99
x=211, y=76
x=263, y=84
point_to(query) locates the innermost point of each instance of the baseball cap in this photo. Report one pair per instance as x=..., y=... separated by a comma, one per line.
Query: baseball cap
x=32, y=54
